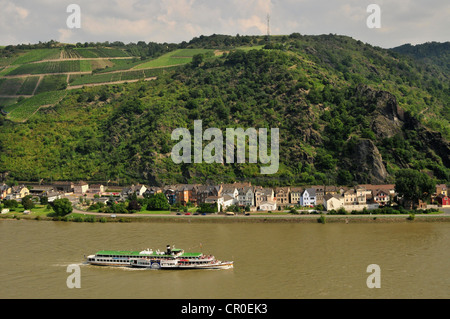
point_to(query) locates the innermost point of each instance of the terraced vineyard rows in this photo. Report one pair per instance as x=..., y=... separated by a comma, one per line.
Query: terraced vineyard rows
x=46, y=73
x=52, y=67
x=116, y=76
x=24, y=110
x=28, y=85
x=100, y=52
x=38, y=55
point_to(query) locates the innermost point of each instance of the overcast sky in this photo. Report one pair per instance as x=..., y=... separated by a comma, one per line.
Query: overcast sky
x=402, y=21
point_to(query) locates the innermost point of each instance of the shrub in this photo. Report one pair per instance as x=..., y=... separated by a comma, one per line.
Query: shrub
x=322, y=219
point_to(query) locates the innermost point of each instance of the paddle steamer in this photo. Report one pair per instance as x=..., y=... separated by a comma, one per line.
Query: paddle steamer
x=172, y=258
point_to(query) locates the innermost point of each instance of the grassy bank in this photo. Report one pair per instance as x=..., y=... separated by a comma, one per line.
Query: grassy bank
x=43, y=214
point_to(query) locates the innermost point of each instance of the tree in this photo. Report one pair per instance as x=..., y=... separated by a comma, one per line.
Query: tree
x=197, y=59
x=43, y=200
x=414, y=185
x=134, y=206
x=62, y=207
x=207, y=208
x=27, y=202
x=10, y=203
x=158, y=202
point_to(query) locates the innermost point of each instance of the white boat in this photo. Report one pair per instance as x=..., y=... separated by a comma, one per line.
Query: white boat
x=170, y=259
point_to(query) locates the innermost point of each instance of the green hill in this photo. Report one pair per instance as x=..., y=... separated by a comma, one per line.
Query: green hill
x=347, y=112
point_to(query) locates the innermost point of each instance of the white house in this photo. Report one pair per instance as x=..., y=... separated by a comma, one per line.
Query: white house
x=232, y=192
x=268, y=205
x=308, y=197
x=228, y=201
x=52, y=196
x=81, y=188
x=246, y=196
x=332, y=202
x=139, y=190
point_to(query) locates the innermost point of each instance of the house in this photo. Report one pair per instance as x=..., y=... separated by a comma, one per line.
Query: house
x=52, y=196
x=40, y=190
x=96, y=189
x=282, y=196
x=187, y=193
x=182, y=195
x=170, y=195
x=246, y=196
x=152, y=190
x=441, y=189
x=443, y=200
x=332, y=202
x=138, y=189
x=355, y=196
x=268, y=206
x=410, y=204
x=4, y=191
x=387, y=188
x=66, y=187
x=331, y=190
x=295, y=194
x=263, y=195
x=81, y=188
x=204, y=191
x=20, y=191
x=232, y=192
x=380, y=197
x=308, y=197
x=228, y=201
x=320, y=192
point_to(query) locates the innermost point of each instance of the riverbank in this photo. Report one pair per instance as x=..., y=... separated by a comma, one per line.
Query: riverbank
x=80, y=216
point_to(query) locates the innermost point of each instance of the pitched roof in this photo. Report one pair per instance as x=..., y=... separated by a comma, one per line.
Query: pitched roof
x=311, y=191
x=329, y=196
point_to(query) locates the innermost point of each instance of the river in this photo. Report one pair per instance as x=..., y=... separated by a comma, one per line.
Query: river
x=272, y=261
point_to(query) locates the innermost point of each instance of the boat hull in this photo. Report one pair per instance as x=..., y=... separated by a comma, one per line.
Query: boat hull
x=157, y=265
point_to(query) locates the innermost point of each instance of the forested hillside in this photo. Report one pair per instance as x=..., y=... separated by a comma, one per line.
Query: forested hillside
x=347, y=112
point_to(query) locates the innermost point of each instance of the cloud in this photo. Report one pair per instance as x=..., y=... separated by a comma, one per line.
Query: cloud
x=23, y=21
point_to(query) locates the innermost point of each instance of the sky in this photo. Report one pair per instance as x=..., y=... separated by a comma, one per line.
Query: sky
x=174, y=21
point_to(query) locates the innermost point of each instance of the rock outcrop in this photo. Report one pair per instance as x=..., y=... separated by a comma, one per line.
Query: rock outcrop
x=367, y=162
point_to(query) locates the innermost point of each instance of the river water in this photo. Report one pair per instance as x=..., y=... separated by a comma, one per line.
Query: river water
x=272, y=261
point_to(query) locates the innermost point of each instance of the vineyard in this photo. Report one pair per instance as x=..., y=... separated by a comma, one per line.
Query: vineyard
x=52, y=67
x=28, y=85
x=52, y=82
x=100, y=53
x=23, y=110
x=177, y=57
x=10, y=86
x=38, y=55
x=38, y=77
x=116, y=76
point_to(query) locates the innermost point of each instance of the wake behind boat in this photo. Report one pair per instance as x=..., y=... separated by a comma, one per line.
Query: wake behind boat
x=170, y=259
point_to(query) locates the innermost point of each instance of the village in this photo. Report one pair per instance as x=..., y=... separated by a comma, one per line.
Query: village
x=243, y=196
